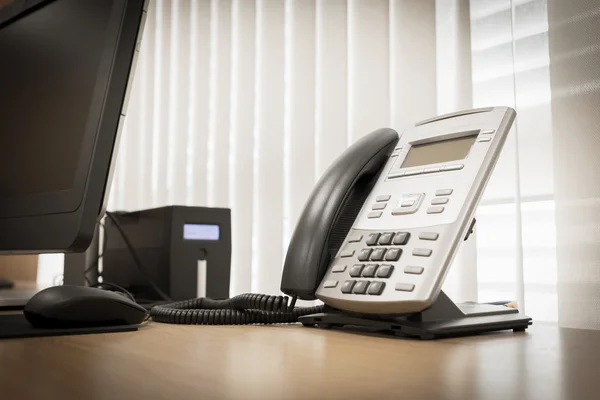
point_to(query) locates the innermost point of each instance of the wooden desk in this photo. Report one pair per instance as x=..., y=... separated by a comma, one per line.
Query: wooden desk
x=293, y=362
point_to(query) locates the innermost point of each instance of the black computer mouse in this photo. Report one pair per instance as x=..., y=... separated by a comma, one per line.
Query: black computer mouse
x=81, y=306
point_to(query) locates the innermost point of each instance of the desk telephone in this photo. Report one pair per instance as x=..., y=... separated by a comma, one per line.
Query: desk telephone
x=379, y=232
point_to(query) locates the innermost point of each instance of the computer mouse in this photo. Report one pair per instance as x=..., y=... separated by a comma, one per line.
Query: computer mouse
x=81, y=306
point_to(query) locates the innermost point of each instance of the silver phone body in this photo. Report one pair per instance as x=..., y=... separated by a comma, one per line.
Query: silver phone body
x=429, y=188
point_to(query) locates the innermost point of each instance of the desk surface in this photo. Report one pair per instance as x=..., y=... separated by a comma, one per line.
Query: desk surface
x=292, y=362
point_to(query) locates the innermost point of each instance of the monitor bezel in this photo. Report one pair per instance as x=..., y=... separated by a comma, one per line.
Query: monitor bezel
x=64, y=221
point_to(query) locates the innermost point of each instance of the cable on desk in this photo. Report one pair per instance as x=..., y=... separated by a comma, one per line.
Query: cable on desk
x=244, y=309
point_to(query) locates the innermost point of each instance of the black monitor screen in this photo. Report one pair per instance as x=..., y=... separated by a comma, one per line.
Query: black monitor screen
x=48, y=67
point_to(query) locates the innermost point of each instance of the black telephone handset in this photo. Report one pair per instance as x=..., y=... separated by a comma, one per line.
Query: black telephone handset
x=322, y=227
x=331, y=210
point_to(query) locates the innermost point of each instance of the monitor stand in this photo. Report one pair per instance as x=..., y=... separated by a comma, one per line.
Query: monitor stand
x=443, y=319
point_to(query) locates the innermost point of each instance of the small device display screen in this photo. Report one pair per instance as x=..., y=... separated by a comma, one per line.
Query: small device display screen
x=201, y=232
x=439, y=152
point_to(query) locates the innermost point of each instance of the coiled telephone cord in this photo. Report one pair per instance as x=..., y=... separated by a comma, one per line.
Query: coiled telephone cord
x=244, y=309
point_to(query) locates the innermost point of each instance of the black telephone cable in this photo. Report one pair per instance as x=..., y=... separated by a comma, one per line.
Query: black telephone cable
x=244, y=309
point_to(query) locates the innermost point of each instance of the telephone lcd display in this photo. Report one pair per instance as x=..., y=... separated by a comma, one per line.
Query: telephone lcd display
x=439, y=152
x=201, y=232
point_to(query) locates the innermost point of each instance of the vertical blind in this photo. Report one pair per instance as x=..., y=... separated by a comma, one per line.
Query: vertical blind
x=245, y=103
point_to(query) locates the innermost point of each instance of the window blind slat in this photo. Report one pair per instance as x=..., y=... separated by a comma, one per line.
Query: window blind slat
x=369, y=68
x=220, y=93
x=299, y=156
x=331, y=82
x=243, y=24
x=268, y=161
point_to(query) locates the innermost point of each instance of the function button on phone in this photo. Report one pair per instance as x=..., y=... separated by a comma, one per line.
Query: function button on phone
x=487, y=131
x=378, y=206
x=330, y=284
x=347, y=253
x=393, y=254
x=386, y=238
x=453, y=167
x=364, y=255
x=401, y=238
x=407, y=203
x=356, y=270
x=354, y=238
x=410, y=269
x=374, y=214
x=376, y=288
x=422, y=252
x=372, y=239
x=435, y=210
x=444, y=192
x=428, y=236
x=385, y=270
x=377, y=254
x=361, y=287
x=369, y=271
x=439, y=200
x=405, y=287
x=338, y=269
x=484, y=139
x=347, y=286
x=383, y=197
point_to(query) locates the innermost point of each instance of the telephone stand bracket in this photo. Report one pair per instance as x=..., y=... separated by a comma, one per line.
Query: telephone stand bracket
x=443, y=319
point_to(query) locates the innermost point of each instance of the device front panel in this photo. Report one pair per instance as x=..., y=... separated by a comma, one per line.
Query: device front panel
x=416, y=216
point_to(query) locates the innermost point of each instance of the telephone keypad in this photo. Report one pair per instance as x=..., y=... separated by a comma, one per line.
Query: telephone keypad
x=347, y=286
x=364, y=255
x=377, y=254
x=369, y=271
x=356, y=270
x=385, y=270
x=361, y=287
x=386, y=238
x=376, y=288
x=401, y=238
x=393, y=254
x=372, y=239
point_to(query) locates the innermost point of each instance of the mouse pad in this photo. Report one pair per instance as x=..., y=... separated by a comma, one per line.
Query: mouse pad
x=16, y=326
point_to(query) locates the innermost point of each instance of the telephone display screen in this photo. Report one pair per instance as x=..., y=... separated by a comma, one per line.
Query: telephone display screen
x=439, y=152
x=201, y=232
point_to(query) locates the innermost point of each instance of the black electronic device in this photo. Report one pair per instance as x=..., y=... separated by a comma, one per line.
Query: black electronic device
x=65, y=73
x=65, y=76
x=6, y=284
x=81, y=306
x=378, y=234
x=186, y=251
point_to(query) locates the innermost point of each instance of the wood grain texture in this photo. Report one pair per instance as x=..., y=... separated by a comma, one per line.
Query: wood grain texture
x=293, y=362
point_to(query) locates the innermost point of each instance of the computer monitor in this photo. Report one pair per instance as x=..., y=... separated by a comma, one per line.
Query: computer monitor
x=65, y=73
